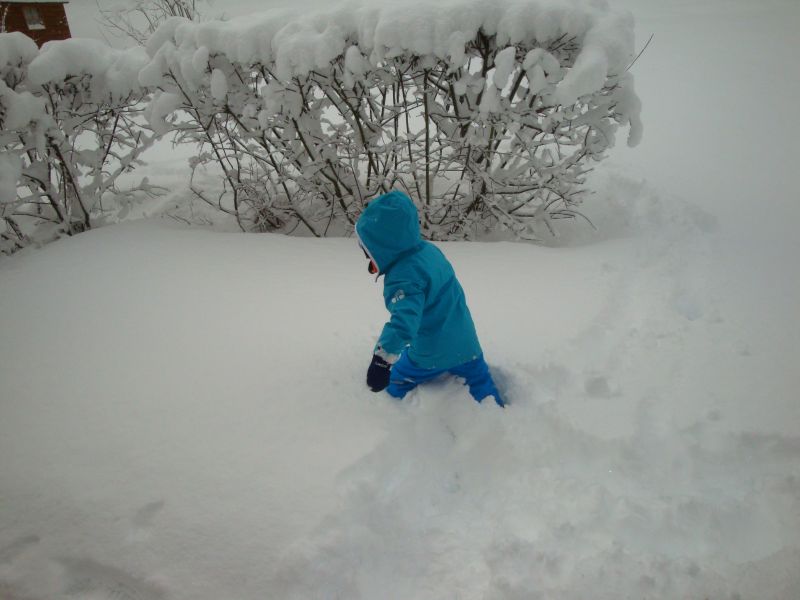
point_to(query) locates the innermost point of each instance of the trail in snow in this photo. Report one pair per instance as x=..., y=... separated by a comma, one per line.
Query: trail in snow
x=469, y=502
x=618, y=471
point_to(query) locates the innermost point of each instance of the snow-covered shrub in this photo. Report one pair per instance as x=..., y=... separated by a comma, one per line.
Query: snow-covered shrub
x=489, y=114
x=67, y=132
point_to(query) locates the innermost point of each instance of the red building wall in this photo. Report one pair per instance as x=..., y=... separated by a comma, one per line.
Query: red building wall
x=53, y=17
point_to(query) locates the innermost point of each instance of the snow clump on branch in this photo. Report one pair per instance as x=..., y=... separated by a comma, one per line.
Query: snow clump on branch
x=114, y=73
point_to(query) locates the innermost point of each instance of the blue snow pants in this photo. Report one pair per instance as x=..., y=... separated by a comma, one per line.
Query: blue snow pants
x=405, y=376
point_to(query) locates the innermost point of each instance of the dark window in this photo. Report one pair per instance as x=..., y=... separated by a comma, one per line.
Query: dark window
x=32, y=17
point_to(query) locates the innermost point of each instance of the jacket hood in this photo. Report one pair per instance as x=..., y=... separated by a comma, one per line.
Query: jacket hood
x=388, y=228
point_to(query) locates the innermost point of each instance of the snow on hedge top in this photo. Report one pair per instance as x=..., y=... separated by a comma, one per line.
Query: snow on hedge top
x=298, y=42
x=113, y=71
x=16, y=48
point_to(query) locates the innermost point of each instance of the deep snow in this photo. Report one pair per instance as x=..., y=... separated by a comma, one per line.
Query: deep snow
x=183, y=412
x=184, y=416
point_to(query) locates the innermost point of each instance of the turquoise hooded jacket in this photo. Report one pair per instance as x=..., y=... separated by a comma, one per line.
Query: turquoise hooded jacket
x=429, y=314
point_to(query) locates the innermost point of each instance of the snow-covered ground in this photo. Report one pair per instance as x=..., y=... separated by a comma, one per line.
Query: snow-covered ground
x=183, y=412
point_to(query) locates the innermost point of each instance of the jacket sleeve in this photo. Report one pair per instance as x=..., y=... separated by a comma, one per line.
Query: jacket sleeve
x=405, y=301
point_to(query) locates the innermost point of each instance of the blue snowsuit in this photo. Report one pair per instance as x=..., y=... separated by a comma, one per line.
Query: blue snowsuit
x=430, y=328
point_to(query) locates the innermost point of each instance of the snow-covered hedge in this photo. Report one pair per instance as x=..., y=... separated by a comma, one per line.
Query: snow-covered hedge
x=67, y=132
x=487, y=112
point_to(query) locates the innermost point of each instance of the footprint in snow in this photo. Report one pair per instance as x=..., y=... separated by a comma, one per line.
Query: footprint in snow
x=144, y=516
x=88, y=577
x=9, y=592
x=687, y=306
x=142, y=521
x=597, y=386
x=17, y=547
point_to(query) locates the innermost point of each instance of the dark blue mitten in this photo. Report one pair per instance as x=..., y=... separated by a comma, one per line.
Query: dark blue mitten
x=378, y=374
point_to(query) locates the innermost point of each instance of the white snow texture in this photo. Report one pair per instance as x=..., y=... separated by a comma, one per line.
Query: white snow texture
x=183, y=413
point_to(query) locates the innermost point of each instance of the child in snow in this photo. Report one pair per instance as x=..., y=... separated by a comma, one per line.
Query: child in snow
x=430, y=331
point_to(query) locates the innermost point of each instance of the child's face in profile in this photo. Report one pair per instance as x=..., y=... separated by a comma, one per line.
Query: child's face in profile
x=371, y=267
